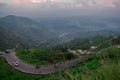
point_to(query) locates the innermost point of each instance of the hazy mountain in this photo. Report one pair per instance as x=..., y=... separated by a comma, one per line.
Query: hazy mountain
x=26, y=29
x=84, y=24
x=48, y=33
x=9, y=39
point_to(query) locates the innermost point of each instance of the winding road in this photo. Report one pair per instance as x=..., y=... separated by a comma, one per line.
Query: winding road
x=31, y=69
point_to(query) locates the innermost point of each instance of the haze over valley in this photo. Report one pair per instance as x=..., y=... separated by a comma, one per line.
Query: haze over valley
x=47, y=33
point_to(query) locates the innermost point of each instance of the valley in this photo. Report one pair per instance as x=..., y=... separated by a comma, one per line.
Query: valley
x=24, y=32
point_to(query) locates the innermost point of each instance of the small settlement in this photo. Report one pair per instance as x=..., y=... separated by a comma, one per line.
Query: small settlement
x=83, y=52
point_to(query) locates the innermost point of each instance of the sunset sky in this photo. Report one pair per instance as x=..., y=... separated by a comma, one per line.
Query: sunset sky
x=59, y=7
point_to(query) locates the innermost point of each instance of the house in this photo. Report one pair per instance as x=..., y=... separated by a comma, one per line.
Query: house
x=114, y=37
x=69, y=50
x=79, y=51
x=89, y=53
x=118, y=46
x=93, y=47
x=82, y=52
x=72, y=51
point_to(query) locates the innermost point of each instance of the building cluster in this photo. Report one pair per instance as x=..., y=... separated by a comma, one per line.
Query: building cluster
x=83, y=52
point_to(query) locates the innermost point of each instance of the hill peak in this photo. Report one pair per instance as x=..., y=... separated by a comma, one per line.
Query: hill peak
x=11, y=16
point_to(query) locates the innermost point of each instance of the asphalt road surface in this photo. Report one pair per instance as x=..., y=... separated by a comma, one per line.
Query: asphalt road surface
x=31, y=69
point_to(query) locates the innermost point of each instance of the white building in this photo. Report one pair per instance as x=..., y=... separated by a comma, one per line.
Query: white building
x=93, y=47
x=118, y=46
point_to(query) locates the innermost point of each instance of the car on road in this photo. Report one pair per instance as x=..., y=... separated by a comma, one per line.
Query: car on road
x=56, y=66
x=7, y=51
x=0, y=53
x=16, y=64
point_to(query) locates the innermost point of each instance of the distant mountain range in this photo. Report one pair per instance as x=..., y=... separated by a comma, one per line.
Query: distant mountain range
x=23, y=29
x=80, y=24
x=25, y=32
x=85, y=26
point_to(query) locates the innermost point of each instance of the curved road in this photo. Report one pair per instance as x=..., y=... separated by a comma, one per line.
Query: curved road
x=31, y=69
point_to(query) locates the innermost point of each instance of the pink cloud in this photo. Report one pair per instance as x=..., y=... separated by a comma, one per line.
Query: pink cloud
x=105, y=3
x=29, y=1
x=73, y=3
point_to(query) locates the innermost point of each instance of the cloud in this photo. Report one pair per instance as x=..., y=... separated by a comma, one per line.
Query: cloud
x=69, y=3
x=61, y=7
x=66, y=3
x=105, y=3
x=84, y=3
x=3, y=4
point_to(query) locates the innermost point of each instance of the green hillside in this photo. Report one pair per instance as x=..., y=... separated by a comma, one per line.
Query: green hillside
x=102, y=66
x=100, y=42
x=43, y=57
x=25, y=32
x=9, y=39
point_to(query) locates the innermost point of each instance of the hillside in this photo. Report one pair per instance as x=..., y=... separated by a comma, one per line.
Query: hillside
x=48, y=34
x=43, y=57
x=9, y=39
x=100, y=42
x=24, y=27
x=24, y=30
x=104, y=65
x=81, y=26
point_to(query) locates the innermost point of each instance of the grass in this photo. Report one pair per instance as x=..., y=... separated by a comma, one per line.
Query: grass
x=102, y=66
x=43, y=57
x=101, y=42
x=85, y=43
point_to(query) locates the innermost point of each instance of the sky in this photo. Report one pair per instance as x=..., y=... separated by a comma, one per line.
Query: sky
x=59, y=8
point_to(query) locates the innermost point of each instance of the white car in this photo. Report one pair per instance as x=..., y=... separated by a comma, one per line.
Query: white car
x=0, y=53
x=7, y=51
x=16, y=64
